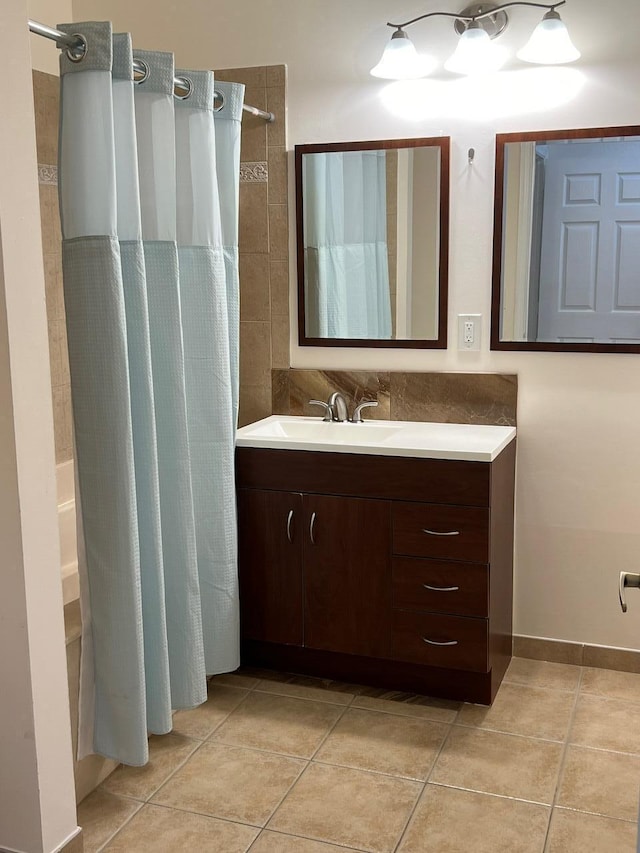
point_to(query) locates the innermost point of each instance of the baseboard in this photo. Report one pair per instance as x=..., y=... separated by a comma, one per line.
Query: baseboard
x=579, y=654
x=73, y=844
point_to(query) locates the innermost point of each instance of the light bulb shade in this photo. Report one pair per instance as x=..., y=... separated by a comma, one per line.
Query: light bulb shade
x=550, y=43
x=475, y=54
x=401, y=61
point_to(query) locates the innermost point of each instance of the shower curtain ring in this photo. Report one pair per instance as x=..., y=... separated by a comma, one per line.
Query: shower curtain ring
x=182, y=83
x=141, y=68
x=79, y=50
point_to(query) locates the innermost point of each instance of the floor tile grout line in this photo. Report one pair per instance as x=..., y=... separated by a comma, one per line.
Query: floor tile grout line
x=345, y=847
x=395, y=713
x=303, y=770
x=511, y=734
x=257, y=689
x=225, y=719
x=490, y=794
x=505, y=732
x=597, y=814
x=182, y=811
x=103, y=846
x=563, y=759
x=146, y=799
x=329, y=733
x=424, y=787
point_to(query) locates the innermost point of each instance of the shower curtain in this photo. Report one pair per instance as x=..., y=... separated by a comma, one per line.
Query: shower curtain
x=345, y=238
x=149, y=206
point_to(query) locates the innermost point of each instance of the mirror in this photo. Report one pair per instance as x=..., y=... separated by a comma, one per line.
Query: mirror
x=566, y=250
x=372, y=233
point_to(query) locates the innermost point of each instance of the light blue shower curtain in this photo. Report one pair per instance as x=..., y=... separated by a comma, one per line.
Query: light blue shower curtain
x=148, y=198
x=345, y=239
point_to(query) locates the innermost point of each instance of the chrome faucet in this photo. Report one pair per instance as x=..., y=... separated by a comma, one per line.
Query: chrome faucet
x=357, y=414
x=338, y=406
x=328, y=411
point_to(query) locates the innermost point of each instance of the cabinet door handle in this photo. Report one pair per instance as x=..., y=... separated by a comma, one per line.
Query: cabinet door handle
x=439, y=643
x=440, y=533
x=289, y=520
x=312, y=525
x=441, y=588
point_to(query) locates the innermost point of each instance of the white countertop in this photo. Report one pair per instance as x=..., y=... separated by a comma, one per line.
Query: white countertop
x=472, y=442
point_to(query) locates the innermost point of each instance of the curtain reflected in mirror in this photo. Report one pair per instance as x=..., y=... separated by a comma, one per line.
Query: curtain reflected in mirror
x=346, y=251
x=371, y=243
x=567, y=241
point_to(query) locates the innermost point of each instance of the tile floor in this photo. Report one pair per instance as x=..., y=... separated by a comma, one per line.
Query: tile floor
x=271, y=765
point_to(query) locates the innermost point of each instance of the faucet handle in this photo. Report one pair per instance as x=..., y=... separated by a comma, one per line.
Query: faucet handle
x=328, y=411
x=357, y=415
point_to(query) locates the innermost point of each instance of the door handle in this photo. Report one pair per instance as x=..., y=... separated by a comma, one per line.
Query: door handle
x=312, y=524
x=289, y=520
x=627, y=579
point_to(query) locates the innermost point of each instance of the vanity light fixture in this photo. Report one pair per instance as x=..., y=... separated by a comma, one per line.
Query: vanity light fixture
x=477, y=26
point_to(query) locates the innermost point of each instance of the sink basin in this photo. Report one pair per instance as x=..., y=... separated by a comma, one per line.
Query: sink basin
x=477, y=443
x=313, y=430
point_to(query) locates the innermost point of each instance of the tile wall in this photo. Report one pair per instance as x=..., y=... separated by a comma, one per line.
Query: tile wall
x=478, y=398
x=264, y=241
x=45, y=93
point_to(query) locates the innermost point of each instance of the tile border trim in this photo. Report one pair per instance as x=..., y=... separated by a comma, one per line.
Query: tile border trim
x=578, y=654
x=47, y=174
x=254, y=172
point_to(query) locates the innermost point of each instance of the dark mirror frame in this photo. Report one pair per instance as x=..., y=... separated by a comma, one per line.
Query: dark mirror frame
x=441, y=142
x=541, y=136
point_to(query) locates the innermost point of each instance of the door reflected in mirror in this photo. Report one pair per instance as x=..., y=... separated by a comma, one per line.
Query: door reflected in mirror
x=372, y=232
x=567, y=241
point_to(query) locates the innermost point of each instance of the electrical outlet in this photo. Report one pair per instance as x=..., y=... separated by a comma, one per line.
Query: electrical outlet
x=469, y=327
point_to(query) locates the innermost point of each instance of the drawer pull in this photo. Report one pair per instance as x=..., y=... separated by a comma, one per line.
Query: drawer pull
x=441, y=588
x=440, y=533
x=289, y=520
x=438, y=643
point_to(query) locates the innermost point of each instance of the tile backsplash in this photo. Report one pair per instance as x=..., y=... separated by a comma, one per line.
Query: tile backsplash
x=478, y=398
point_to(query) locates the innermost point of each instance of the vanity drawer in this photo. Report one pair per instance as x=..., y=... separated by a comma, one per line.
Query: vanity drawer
x=434, y=585
x=456, y=642
x=437, y=530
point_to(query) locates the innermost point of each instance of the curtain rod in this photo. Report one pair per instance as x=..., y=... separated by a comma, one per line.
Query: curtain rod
x=75, y=45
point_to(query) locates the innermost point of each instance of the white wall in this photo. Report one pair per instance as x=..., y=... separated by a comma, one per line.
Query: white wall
x=37, y=803
x=578, y=497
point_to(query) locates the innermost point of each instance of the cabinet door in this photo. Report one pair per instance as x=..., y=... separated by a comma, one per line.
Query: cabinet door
x=270, y=565
x=347, y=576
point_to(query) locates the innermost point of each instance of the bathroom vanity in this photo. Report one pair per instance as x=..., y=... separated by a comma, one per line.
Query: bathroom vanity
x=379, y=554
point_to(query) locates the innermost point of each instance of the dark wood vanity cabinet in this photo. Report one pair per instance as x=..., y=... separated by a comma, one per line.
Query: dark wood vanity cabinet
x=389, y=571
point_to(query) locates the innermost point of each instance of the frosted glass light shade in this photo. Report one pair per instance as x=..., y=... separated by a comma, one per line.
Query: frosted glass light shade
x=401, y=61
x=550, y=43
x=475, y=53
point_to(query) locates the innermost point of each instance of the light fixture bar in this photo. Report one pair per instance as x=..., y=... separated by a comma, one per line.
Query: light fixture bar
x=479, y=17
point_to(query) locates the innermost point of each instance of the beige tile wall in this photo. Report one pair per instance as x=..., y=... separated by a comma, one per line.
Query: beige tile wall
x=263, y=240
x=45, y=93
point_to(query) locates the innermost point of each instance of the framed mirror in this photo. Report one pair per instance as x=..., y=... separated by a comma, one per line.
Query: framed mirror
x=566, y=244
x=372, y=226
